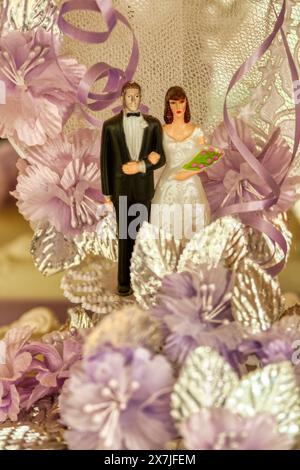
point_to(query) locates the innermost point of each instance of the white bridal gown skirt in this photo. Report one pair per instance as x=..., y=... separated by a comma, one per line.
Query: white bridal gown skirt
x=180, y=207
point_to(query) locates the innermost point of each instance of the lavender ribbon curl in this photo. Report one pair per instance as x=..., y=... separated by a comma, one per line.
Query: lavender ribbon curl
x=115, y=76
x=247, y=210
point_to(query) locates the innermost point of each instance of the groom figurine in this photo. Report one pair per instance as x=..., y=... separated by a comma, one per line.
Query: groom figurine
x=131, y=148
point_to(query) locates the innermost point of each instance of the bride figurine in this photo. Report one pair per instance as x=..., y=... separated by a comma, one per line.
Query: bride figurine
x=180, y=206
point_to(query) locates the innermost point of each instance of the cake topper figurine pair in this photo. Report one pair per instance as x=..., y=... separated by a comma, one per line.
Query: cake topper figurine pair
x=133, y=146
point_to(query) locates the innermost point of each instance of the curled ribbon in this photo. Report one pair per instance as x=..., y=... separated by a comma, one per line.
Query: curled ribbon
x=115, y=76
x=248, y=210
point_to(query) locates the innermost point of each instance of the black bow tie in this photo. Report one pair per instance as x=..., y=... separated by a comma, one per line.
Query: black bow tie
x=133, y=114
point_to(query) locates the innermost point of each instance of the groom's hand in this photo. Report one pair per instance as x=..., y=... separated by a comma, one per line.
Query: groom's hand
x=153, y=158
x=131, y=168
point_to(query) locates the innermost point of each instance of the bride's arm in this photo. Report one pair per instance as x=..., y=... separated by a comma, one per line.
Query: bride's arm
x=203, y=143
x=202, y=140
x=185, y=174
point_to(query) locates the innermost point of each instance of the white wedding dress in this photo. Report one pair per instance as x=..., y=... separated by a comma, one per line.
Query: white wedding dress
x=180, y=207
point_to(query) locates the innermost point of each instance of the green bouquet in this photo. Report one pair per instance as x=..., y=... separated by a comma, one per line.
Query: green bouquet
x=205, y=158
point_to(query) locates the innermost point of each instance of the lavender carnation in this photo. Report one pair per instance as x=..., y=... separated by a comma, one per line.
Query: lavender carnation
x=194, y=309
x=118, y=398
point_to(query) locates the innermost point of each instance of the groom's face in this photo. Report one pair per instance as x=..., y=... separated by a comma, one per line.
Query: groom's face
x=131, y=99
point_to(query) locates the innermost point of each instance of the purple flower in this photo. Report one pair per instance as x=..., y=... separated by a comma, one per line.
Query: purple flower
x=61, y=186
x=39, y=98
x=220, y=429
x=194, y=309
x=279, y=343
x=118, y=398
x=233, y=181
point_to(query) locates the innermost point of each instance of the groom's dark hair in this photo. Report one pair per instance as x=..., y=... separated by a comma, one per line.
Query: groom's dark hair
x=175, y=93
x=128, y=85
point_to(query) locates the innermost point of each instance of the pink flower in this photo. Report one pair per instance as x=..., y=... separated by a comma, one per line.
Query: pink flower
x=220, y=429
x=32, y=370
x=14, y=361
x=9, y=402
x=233, y=181
x=62, y=185
x=39, y=98
x=50, y=366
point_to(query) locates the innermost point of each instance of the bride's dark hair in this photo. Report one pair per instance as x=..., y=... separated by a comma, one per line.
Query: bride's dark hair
x=175, y=93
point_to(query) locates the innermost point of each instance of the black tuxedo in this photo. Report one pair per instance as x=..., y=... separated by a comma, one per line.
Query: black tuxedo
x=138, y=188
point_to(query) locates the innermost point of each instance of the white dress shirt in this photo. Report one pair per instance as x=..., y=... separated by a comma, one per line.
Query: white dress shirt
x=134, y=130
